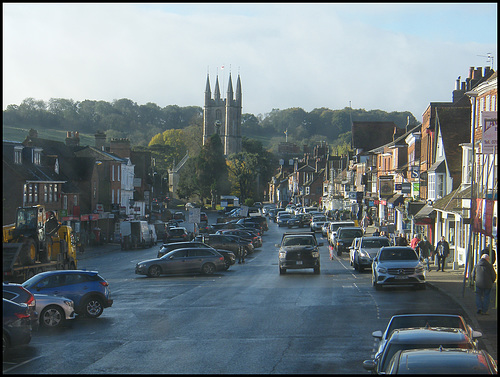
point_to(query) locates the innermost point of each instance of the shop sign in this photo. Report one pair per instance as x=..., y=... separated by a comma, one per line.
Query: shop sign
x=84, y=217
x=406, y=188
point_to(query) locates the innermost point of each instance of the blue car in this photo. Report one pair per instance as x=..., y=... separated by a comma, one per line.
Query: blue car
x=88, y=290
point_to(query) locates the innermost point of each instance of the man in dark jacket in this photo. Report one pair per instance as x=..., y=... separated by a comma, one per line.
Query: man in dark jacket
x=441, y=252
x=484, y=275
x=424, y=248
x=401, y=240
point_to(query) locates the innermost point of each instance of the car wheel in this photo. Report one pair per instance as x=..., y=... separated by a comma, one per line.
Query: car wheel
x=208, y=268
x=51, y=316
x=154, y=271
x=282, y=271
x=93, y=307
x=317, y=270
x=374, y=284
x=227, y=264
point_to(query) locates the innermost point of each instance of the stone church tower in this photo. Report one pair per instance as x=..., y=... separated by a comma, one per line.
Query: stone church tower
x=223, y=116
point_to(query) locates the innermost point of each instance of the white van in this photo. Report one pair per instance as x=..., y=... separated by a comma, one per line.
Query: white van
x=135, y=234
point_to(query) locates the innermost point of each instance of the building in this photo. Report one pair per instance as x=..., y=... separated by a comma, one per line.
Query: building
x=223, y=116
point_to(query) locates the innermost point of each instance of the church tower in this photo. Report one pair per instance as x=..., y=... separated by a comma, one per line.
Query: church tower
x=223, y=116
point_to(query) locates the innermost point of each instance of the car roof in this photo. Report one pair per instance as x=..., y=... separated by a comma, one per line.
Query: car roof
x=58, y=272
x=435, y=335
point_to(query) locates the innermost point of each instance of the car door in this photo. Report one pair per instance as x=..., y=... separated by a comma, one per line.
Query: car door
x=176, y=262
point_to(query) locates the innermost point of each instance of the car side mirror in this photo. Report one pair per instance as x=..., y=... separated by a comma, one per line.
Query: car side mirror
x=369, y=364
x=476, y=334
x=377, y=334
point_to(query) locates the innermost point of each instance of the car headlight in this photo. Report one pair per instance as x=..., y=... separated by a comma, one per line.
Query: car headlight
x=69, y=303
x=315, y=254
x=364, y=254
x=382, y=270
x=141, y=265
x=282, y=254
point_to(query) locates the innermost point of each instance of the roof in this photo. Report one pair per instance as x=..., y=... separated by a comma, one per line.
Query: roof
x=426, y=211
x=453, y=201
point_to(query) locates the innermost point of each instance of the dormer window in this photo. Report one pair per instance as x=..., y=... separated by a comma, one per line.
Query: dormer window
x=18, y=155
x=37, y=156
x=56, y=166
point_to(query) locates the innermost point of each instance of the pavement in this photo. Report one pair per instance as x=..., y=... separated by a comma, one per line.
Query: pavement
x=450, y=282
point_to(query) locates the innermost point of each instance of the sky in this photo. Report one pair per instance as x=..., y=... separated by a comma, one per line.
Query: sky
x=387, y=56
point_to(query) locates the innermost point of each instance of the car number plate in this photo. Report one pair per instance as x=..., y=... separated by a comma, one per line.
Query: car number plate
x=401, y=277
x=298, y=262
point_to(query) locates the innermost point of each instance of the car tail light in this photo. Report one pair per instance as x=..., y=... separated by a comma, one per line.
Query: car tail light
x=221, y=258
x=22, y=315
x=104, y=283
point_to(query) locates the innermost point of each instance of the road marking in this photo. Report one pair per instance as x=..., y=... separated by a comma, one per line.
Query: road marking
x=18, y=365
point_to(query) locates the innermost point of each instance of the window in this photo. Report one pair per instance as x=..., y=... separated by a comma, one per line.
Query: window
x=113, y=172
x=431, y=186
x=95, y=190
x=65, y=202
x=25, y=193
x=35, y=192
x=75, y=200
x=37, y=156
x=56, y=193
x=112, y=196
x=18, y=155
x=46, y=193
x=440, y=186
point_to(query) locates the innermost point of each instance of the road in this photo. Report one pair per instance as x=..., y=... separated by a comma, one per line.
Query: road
x=248, y=319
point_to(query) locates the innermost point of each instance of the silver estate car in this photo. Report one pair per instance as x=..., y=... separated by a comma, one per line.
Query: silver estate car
x=397, y=265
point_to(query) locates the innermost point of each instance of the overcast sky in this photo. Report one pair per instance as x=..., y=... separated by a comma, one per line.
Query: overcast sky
x=393, y=57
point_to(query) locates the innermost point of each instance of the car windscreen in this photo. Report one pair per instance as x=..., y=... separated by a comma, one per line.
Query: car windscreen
x=351, y=233
x=425, y=321
x=373, y=244
x=295, y=241
x=398, y=254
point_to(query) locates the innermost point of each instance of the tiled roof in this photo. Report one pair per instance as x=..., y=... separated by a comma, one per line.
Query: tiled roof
x=369, y=135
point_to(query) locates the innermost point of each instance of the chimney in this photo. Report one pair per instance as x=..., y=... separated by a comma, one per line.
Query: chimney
x=487, y=72
x=478, y=73
x=72, y=139
x=457, y=84
x=120, y=147
x=100, y=140
x=471, y=72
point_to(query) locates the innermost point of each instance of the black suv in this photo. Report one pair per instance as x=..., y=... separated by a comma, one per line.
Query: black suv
x=344, y=238
x=299, y=250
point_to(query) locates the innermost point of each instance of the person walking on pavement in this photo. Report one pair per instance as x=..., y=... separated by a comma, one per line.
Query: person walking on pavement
x=401, y=240
x=424, y=248
x=376, y=233
x=441, y=252
x=484, y=276
x=365, y=222
x=241, y=255
x=414, y=241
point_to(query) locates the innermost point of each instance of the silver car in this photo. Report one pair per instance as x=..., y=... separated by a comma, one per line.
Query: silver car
x=54, y=310
x=317, y=223
x=365, y=250
x=397, y=265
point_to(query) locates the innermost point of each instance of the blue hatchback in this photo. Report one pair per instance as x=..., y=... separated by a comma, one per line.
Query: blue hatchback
x=88, y=290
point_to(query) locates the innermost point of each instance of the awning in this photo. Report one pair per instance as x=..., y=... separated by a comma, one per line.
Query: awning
x=427, y=212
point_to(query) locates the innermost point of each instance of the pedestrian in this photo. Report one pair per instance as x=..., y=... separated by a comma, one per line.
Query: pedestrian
x=441, y=252
x=484, y=276
x=401, y=240
x=414, y=241
x=241, y=255
x=365, y=222
x=424, y=248
x=376, y=233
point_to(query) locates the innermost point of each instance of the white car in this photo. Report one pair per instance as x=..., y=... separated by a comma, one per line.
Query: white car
x=54, y=310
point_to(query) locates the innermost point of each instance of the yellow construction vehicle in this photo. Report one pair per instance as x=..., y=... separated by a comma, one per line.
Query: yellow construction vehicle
x=37, y=242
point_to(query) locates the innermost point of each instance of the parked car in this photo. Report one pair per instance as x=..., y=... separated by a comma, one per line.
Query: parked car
x=88, y=290
x=442, y=361
x=317, y=222
x=248, y=234
x=282, y=219
x=367, y=249
x=345, y=236
x=415, y=320
x=226, y=242
x=16, y=325
x=397, y=265
x=19, y=294
x=229, y=257
x=193, y=259
x=177, y=234
x=54, y=310
x=332, y=232
x=203, y=216
x=300, y=220
x=261, y=220
x=418, y=338
x=297, y=251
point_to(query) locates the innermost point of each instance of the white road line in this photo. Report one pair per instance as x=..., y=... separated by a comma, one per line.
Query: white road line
x=18, y=365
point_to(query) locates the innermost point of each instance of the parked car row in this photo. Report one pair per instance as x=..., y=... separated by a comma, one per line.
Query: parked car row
x=48, y=300
x=429, y=344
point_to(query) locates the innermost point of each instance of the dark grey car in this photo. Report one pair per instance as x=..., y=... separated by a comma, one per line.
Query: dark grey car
x=229, y=257
x=201, y=260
